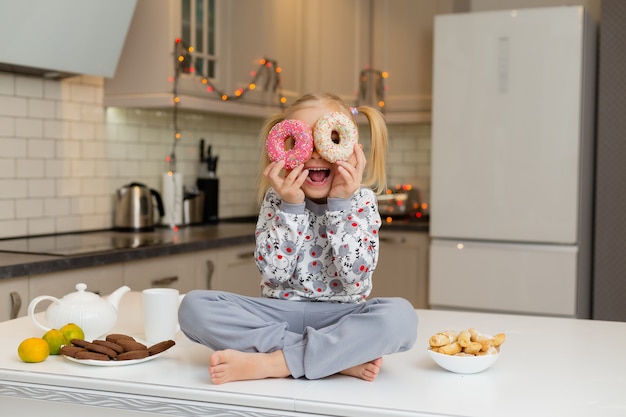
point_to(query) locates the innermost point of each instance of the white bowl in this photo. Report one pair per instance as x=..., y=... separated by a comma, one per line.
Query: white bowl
x=464, y=364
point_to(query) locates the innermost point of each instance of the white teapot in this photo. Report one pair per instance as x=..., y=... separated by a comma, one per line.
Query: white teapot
x=95, y=315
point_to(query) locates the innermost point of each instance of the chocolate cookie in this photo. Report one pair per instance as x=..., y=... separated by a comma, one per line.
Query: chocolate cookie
x=114, y=337
x=86, y=354
x=133, y=354
x=93, y=347
x=69, y=350
x=110, y=345
x=130, y=345
x=160, y=347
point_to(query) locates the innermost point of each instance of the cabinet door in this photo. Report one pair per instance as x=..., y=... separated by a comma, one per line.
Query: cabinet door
x=13, y=298
x=402, y=269
x=101, y=280
x=236, y=271
x=174, y=271
x=402, y=45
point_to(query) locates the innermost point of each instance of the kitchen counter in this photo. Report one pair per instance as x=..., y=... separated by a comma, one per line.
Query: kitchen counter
x=548, y=367
x=26, y=256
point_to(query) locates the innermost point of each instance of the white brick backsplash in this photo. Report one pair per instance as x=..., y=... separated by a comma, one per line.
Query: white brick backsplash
x=30, y=208
x=28, y=128
x=67, y=224
x=7, y=84
x=11, y=228
x=56, y=207
x=7, y=209
x=44, y=109
x=13, y=106
x=30, y=168
x=64, y=155
x=41, y=226
x=29, y=87
x=83, y=205
x=68, y=187
x=41, y=187
x=7, y=126
x=7, y=168
x=58, y=169
x=40, y=148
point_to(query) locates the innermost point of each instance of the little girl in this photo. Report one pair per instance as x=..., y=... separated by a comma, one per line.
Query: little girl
x=316, y=248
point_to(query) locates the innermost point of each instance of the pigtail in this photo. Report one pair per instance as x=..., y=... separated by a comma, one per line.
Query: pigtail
x=376, y=170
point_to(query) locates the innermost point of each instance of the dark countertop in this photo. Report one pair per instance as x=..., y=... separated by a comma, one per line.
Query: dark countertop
x=25, y=256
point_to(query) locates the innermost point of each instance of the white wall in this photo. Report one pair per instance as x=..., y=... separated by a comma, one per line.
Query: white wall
x=64, y=155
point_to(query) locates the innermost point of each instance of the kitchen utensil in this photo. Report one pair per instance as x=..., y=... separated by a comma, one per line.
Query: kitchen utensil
x=93, y=314
x=160, y=313
x=193, y=207
x=464, y=364
x=134, y=207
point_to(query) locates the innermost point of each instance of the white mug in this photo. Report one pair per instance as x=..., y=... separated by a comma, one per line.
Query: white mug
x=160, y=313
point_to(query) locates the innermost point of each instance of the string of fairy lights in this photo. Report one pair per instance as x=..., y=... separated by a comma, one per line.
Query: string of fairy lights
x=269, y=69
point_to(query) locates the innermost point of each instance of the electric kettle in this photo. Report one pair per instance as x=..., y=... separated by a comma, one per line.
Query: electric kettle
x=134, y=207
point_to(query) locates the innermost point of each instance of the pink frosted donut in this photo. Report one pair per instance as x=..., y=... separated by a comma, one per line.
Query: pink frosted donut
x=348, y=136
x=303, y=142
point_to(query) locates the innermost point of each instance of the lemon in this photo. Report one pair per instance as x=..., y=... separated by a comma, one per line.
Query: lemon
x=33, y=350
x=72, y=331
x=55, y=339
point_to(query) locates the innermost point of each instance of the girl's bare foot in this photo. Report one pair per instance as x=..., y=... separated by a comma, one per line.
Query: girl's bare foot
x=232, y=365
x=367, y=371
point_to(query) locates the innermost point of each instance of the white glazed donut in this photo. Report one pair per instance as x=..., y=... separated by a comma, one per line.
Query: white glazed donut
x=346, y=130
x=303, y=142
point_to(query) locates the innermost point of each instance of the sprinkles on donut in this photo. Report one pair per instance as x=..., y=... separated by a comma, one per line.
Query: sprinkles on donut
x=302, y=149
x=335, y=136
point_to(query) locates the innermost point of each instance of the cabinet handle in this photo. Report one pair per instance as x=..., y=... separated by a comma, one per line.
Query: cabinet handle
x=245, y=255
x=163, y=282
x=210, y=266
x=398, y=240
x=16, y=304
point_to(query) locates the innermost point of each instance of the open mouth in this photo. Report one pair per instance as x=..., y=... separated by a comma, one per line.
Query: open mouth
x=318, y=175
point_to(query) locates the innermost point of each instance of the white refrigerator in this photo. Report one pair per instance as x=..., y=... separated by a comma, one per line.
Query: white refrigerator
x=512, y=161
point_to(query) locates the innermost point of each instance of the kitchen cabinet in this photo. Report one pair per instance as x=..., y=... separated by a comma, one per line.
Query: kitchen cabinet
x=402, y=44
x=236, y=271
x=174, y=271
x=392, y=36
x=14, y=302
x=402, y=269
x=101, y=280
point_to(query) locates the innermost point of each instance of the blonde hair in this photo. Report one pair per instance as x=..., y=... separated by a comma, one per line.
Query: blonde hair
x=375, y=175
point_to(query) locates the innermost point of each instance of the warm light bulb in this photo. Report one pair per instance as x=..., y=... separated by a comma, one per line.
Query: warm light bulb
x=176, y=99
x=279, y=70
x=224, y=97
x=177, y=135
x=190, y=49
x=381, y=104
x=384, y=74
x=252, y=86
x=283, y=100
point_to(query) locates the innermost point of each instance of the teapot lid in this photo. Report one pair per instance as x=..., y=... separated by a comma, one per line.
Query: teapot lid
x=80, y=295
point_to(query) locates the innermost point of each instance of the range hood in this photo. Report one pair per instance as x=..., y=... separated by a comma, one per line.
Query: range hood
x=63, y=37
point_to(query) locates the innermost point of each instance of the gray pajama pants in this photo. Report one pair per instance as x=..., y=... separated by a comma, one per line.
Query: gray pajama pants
x=317, y=338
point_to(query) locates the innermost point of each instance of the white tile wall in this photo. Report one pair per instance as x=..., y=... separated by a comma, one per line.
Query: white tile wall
x=64, y=154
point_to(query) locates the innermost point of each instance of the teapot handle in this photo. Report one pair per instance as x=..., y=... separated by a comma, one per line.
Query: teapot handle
x=31, y=309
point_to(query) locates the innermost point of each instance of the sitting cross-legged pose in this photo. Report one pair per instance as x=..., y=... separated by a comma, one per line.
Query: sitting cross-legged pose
x=316, y=249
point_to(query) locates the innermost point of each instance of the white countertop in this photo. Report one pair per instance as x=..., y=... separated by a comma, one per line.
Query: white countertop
x=548, y=367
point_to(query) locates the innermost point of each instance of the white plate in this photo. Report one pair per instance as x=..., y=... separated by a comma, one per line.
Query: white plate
x=95, y=362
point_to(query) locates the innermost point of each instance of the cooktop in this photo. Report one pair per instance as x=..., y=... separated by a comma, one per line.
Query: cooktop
x=79, y=243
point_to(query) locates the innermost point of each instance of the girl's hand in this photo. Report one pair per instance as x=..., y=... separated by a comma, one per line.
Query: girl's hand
x=289, y=187
x=348, y=174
